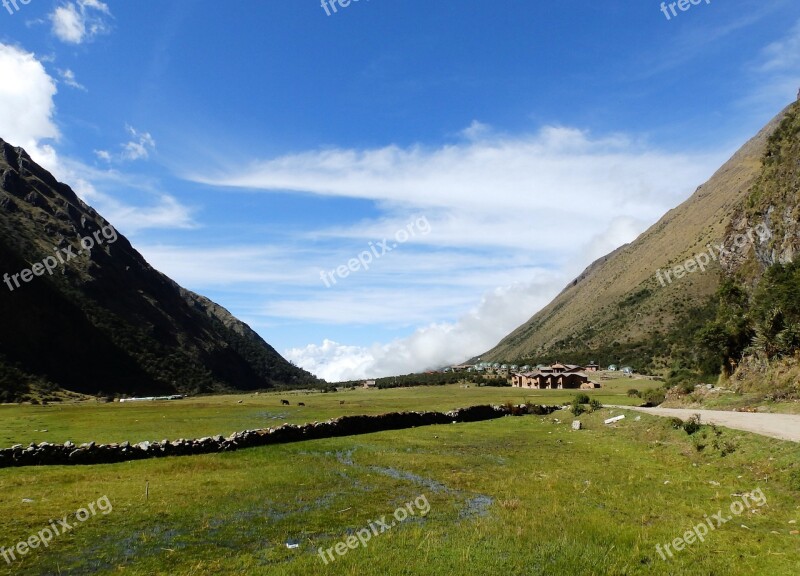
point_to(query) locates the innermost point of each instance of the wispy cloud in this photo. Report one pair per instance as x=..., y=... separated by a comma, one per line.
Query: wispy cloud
x=153, y=208
x=512, y=217
x=81, y=21
x=140, y=145
x=68, y=78
x=784, y=54
x=775, y=73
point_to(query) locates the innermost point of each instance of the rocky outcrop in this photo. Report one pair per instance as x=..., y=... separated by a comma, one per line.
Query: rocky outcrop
x=46, y=454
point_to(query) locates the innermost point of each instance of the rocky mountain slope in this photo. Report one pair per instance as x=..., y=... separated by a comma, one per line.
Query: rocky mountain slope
x=643, y=303
x=82, y=310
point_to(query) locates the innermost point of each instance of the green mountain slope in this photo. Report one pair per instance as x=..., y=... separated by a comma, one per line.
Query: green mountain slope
x=105, y=320
x=621, y=311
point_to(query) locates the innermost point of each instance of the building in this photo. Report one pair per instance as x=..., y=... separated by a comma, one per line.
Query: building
x=592, y=366
x=460, y=368
x=555, y=377
x=369, y=384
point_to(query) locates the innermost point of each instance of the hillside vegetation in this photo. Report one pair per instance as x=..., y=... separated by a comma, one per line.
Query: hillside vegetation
x=622, y=310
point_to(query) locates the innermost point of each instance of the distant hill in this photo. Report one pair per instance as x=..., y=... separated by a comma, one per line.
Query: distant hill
x=624, y=310
x=103, y=320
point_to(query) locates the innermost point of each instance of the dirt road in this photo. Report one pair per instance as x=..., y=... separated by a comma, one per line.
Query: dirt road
x=782, y=426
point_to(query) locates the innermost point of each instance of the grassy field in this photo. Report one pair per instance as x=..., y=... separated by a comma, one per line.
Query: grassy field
x=207, y=416
x=513, y=496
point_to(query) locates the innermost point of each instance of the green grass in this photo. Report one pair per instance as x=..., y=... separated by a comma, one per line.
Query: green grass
x=512, y=496
x=207, y=416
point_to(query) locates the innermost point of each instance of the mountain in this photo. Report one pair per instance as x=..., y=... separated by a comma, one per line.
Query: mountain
x=630, y=307
x=83, y=311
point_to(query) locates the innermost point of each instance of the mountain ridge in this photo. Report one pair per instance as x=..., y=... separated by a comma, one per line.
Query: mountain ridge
x=616, y=310
x=103, y=319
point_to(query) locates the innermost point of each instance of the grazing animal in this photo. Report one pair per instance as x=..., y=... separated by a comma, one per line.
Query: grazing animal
x=284, y=402
x=301, y=403
x=341, y=402
x=240, y=401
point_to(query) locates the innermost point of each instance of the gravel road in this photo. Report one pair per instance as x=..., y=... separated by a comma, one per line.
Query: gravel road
x=782, y=426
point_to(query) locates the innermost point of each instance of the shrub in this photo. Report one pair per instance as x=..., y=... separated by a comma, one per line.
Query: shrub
x=634, y=393
x=676, y=423
x=595, y=405
x=685, y=388
x=692, y=425
x=582, y=398
x=728, y=447
x=577, y=408
x=698, y=443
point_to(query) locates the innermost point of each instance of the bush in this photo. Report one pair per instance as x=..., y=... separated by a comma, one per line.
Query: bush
x=692, y=425
x=577, y=408
x=595, y=405
x=634, y=393
x=685, y=388
x=699, y=443
x=582, y=398
x=729, y=447
x=676, y=423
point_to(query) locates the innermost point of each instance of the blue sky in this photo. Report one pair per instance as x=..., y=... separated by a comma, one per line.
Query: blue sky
x=483, y=153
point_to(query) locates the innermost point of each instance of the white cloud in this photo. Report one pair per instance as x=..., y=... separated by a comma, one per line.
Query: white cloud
x=524, y=192
x=27, y=108
x=156, y=210
x=435, y=345
x=81, y=21
x=476, y=130
x=104, y=155
x=512, y=217
x=775, y=75
x=139, y=147
x=68, y=77
x=783, y=54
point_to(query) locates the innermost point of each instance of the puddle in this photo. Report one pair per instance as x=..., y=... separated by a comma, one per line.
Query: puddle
x=476, y=507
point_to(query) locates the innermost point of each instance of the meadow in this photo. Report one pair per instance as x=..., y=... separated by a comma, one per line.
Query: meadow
x=519, y=495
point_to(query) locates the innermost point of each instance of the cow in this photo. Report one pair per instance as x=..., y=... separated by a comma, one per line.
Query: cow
x=284, y=402
x=341, y=402
x=301, y=403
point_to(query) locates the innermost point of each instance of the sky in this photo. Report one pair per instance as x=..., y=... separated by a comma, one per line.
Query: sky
x=382, y=187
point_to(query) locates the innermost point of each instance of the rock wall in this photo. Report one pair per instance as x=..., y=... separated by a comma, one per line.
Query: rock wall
x=46, y=454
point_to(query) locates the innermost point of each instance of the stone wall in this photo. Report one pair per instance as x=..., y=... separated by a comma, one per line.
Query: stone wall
x=46, y=454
